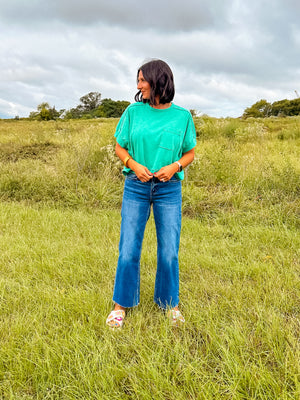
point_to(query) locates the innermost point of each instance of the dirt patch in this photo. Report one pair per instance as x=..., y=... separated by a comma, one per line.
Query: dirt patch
x=12, y=152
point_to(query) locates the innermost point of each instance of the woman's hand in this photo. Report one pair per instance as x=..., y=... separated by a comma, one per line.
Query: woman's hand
x=140, y=170
x=166, y=173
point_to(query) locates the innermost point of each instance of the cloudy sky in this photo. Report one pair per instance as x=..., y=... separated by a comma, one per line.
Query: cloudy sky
x=225, y=54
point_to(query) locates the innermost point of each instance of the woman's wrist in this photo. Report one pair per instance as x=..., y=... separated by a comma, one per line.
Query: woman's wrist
x=125, y=161
x=176, y=167
x=179, y=166
x=131, y=163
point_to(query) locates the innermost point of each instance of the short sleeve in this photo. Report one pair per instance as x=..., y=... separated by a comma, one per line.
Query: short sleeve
x=122, y=130
x=190, y=136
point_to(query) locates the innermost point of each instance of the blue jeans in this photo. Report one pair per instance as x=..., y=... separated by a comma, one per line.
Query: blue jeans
x=165, y=197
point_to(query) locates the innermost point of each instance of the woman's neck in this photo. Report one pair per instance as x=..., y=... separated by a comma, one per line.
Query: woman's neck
x=161, y=106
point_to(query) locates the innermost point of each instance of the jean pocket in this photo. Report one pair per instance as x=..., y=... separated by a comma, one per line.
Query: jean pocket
x=174, y=179
x=132, y=177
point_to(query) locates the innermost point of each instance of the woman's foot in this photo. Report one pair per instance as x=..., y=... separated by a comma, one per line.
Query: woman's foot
x=175, y=317
x=116, y=317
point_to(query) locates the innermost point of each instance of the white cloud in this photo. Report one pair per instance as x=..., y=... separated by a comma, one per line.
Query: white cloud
x=133, y=15
x=225, y=55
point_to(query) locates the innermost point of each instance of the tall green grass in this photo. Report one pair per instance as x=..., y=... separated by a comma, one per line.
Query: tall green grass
x=73, y=164
x=61, y=188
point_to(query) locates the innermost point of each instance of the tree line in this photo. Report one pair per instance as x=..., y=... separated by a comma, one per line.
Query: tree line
x=281, y=108
x=90, y=106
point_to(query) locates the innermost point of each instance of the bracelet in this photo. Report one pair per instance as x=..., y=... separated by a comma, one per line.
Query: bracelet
x=125, y=161
x=179, y=166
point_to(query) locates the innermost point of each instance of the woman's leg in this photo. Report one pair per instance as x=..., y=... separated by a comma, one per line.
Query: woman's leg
x=135, y=213
x=167, y=215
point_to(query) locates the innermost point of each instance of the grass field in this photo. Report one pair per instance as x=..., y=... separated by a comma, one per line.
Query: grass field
x=60, y=192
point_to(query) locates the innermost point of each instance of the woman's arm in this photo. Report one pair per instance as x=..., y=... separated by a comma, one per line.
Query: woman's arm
x=187, y=158
x=166, y=173
x=140, y=170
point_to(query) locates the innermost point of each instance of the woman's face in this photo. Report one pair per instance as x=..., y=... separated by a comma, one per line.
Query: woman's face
x=143, y=86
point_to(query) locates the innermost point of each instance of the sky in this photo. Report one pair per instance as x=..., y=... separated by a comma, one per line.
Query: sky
x=225, y=54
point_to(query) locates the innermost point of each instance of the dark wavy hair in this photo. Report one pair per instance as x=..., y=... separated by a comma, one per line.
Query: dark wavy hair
x=160, y=77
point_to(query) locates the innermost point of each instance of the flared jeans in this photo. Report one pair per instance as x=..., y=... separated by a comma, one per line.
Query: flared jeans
x=138, y=197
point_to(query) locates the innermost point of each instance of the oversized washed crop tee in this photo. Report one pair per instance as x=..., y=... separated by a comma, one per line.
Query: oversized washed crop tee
x=156, y=137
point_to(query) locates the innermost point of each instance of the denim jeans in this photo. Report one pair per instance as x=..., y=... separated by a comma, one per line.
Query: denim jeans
x=165, y=198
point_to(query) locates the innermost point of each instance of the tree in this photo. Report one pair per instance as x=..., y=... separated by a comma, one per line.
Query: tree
x=195, y=113
x=260, y=109
x=286, y=107
x=90, y=101
x=90, y=106
x=73, y=113
x=111, y=109
x=279, y=108
x=45, y=112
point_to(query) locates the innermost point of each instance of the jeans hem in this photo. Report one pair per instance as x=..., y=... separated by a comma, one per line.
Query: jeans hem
x=135, y=305
x=165, y=308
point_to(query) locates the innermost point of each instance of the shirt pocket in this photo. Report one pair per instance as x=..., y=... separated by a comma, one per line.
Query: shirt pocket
x=171, y=139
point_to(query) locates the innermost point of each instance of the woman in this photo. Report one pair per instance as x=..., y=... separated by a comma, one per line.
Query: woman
x=155, y=141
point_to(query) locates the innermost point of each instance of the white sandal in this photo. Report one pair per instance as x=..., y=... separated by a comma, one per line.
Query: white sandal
x=176, y=318
x=115, y=319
